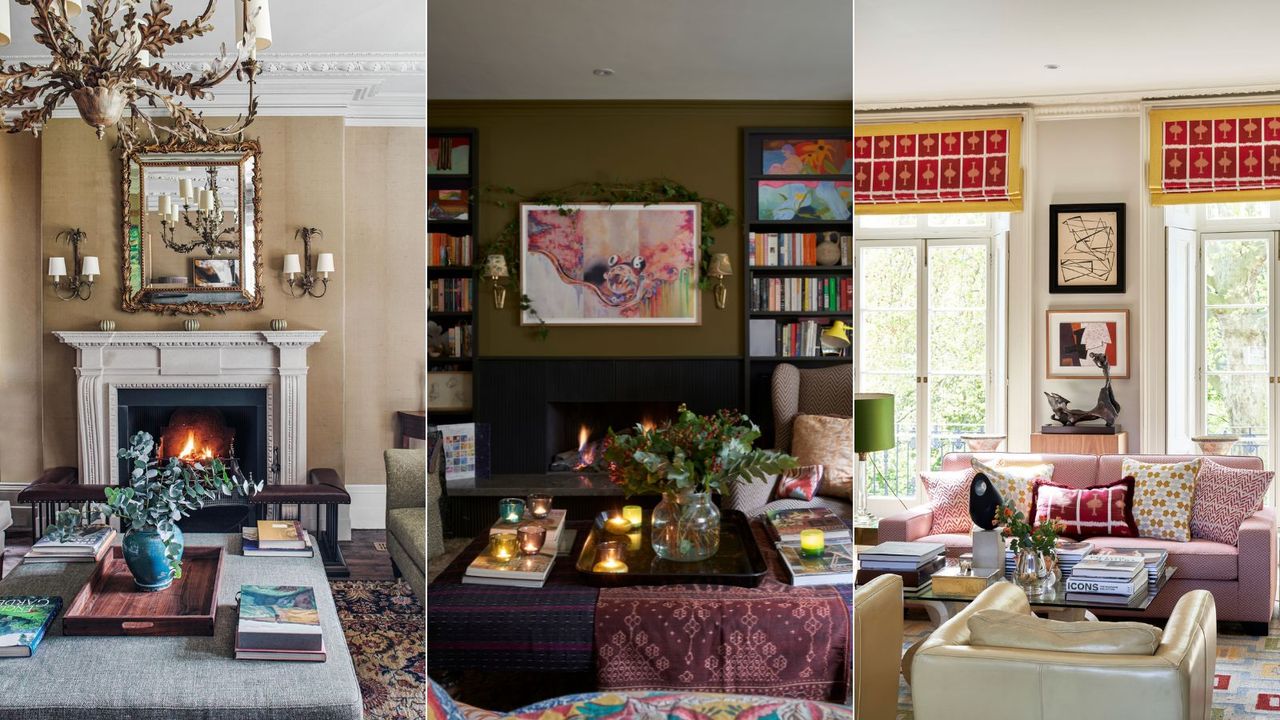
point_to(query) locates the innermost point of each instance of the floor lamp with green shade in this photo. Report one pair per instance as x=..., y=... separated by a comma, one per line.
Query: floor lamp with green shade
x=872, y=432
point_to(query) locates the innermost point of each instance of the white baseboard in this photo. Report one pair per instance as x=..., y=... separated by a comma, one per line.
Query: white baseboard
x=21, y=513
x=368, y=510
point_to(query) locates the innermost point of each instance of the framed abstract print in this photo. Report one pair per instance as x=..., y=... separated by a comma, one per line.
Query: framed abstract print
x=1086, y=248
x=601, y=264
x=1074, y=336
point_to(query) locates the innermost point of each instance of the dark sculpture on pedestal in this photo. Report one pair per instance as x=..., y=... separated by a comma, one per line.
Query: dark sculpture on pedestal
x=1106, y=410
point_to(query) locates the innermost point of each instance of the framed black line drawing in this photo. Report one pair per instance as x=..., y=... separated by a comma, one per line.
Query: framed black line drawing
x=1086, y=248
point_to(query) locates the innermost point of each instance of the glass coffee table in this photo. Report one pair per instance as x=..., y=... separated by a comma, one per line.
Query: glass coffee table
x=1052, y=602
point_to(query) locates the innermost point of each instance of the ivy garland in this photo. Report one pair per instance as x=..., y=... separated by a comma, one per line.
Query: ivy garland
x=715, y=215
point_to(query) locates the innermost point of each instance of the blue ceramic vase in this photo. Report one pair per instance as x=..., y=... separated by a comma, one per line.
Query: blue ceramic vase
x=144, y=555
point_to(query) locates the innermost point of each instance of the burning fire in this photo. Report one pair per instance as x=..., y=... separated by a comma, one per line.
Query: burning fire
x=587, y=450
x=647, y=423
x=190, y=453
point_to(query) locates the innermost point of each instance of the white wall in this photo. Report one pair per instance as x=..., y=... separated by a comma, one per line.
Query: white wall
x=1092, y=160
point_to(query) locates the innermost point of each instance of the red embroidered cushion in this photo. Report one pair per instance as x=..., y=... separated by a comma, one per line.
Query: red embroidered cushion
x=949, y=499
x=1223, y=498
x=799, y=483
x=1087, y=512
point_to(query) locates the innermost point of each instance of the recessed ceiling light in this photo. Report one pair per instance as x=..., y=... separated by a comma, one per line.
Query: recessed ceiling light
x=602, y=72
x=1052, y=66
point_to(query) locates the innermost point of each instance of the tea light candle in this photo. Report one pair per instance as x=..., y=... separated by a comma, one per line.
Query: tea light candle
x=609, y=558
x=618, y=525
x=510, y=509
x=812, y=543
x=633, y=541
x=539, y=506
x=503, y=546
x=532, y=537
x=633, y=514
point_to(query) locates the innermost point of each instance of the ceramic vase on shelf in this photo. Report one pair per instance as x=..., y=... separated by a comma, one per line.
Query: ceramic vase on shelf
x=145, y=558
x=1215, y=444
x=828, y=251
x=685, y=527
x=1034, y=573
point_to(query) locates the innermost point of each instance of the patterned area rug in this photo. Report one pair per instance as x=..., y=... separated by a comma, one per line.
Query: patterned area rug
x=384, y=625
x=1248, y=674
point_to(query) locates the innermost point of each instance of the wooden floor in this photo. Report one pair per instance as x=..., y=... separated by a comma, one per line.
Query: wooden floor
x=364, y=558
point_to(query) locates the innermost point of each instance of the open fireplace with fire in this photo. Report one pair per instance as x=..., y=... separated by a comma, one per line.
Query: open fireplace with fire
x=201, y=424
x=576, y=431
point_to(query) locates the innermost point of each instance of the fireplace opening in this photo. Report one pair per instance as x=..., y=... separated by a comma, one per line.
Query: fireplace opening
x=200, y=424
x=576, y=430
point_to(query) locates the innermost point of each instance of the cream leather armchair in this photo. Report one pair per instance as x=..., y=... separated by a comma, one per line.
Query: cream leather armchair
x=877, y=654
x=952, y=680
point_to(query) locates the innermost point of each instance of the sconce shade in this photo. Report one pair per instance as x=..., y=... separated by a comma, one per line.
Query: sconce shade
x=292, y=264
x=90, y=266
x=836, y=336
x=720, y=265
x=324, y=263
x=72, y=7
x=495, y=267
x=260, y=11
x=57, y=267
x=4, y=23
x=872, y=422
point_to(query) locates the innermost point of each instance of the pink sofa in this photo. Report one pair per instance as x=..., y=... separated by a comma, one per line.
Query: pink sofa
x=1242, y=579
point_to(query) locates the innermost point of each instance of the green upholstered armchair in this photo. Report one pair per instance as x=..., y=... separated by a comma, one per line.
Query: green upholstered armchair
x=407, y=521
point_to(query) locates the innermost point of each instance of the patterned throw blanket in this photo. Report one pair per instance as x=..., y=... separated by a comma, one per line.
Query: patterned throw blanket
x=773, y=640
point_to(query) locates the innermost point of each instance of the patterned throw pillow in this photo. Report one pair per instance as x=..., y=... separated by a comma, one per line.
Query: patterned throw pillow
x=799, y=483
x=949, y=499
x=1162, y=497
x=1088, y=512
x=1015, y=483
x=1224, y=497
x=827, y=441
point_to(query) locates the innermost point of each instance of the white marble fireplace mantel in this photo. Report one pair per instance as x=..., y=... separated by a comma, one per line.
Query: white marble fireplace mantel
x=107, y=362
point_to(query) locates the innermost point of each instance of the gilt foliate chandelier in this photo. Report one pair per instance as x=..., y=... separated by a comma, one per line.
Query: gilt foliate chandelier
x=112, y=71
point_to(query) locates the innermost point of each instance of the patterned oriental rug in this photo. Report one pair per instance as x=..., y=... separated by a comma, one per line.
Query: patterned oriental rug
x=1247, y=673
x=383, y=623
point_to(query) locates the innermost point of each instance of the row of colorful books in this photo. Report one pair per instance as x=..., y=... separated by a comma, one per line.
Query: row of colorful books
x=775, y=249
x=833, y=567
x=802, y=294
x=447, y=250
x=450, y=295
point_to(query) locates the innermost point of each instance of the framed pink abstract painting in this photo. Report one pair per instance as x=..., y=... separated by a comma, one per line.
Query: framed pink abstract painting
x=600, y=264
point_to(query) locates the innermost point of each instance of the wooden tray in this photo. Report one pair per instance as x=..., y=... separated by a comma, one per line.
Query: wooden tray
x=110, y=604
x=737, y=562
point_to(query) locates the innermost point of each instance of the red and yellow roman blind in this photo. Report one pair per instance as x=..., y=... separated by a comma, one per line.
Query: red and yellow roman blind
x=1214, y=154
x=942, y=166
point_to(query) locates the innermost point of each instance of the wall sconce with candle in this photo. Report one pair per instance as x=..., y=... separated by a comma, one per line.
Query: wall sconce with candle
x=312, y=277
x=79, y=284
x=720, y=269
x=495, y=269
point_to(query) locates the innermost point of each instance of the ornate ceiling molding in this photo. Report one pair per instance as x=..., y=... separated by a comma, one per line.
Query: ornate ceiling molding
x=1083, y=104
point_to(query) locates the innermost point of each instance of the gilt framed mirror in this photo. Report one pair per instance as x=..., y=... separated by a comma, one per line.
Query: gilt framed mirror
x=192, y=241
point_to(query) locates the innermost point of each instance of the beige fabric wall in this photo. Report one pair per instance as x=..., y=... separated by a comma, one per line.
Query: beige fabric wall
x=385, y=271
x=21, y=274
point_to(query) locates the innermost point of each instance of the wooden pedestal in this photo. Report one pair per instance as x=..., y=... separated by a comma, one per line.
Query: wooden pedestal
x=1080, y=444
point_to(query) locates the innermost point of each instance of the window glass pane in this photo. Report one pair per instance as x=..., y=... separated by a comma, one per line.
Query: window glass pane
x=889, y=341
x=957, y=220
x=1237, y=211
x=888, y=221
x=888, y=277
x=894, y=471
x=957, y=405
x=1235, y=271
x=1235, y=339
x=1238, y=405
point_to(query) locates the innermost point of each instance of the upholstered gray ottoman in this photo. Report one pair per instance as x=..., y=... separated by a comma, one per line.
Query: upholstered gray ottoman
x=178, y=678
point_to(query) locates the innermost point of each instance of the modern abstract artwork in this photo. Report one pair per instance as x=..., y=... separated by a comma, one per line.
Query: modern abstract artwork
x=448, y=204
x=600, y=264
x=1072, y=335
x=801, y=200
x=806, y=157
x=215, y=272
x=448, y=155
x=1086, y=248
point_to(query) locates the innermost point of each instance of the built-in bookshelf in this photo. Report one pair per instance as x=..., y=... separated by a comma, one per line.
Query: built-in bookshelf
x=452, y=229
x=797, y=277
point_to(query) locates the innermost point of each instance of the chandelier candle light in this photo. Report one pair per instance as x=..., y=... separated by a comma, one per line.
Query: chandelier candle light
x=207, y=222
x=112, y=69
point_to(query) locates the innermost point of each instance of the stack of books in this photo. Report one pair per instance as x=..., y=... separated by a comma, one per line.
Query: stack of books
x=1070, y=553
x=1108, y=579
x=915, y=562
x=285, y=546
x=23, y=622
x=833, y=567
x=785, y=525
x=1154, y=560
x=279, y=622
x=529, y=571
x=87, y=545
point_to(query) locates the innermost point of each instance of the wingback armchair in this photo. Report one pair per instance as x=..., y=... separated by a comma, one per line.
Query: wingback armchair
x=407, y=521
x=795, y=392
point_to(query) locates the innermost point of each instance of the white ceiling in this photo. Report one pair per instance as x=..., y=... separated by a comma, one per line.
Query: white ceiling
x=660, y=49
x=943, y=52
x=365, y=60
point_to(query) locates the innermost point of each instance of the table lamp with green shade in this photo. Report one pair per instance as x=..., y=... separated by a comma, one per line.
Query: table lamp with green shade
x=873, y=430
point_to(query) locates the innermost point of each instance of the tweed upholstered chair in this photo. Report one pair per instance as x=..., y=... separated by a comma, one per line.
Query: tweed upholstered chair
x=407, y=521
x=819, y=391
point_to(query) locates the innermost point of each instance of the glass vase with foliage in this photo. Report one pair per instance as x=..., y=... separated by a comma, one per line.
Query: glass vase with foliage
x=1036, y=563
x=153, y=499
x=686, y=460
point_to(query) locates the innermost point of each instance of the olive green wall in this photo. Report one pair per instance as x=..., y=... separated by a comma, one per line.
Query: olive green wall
x=537, y=146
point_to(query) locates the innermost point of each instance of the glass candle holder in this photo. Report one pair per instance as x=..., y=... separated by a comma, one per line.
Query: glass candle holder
x=617, y=525
x=812, y=543
x=609, y=557
x=510, y=510
x=503, y=546
x=539, y=505
x=634, y=515
x=635, y=541
x=532, y=537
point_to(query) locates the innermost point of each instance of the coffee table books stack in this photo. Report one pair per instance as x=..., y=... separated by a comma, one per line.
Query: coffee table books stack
x=1108, y=579
x=915, y=562
x=87, y=545
x=279, y=622
x=1067, y=553
x=553, y=523
x=1155, y=560
x=250, y=547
